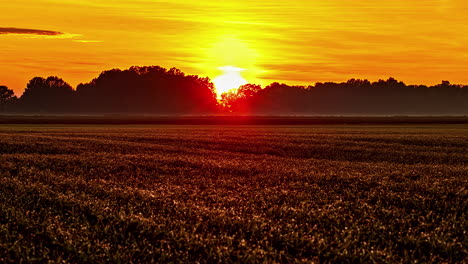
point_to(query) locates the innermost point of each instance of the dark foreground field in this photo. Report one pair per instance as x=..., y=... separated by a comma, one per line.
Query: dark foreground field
x=245, y=194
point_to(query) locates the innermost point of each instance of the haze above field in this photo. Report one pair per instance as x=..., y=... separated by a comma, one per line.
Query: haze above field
x=299, y=42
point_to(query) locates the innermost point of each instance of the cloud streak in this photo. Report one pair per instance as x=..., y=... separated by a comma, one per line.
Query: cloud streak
x=27, y=31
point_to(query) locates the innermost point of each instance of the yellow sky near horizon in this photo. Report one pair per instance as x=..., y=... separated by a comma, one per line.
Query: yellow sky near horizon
x=296, y=42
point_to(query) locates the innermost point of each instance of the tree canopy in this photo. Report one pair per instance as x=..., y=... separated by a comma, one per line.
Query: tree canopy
x=6, y=97
x=156, y=90
x=150, y=89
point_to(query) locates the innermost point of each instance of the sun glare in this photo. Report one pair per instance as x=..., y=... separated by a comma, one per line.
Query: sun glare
x=229, y=80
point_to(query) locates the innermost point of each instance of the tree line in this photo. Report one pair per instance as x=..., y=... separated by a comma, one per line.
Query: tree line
x=156, y=90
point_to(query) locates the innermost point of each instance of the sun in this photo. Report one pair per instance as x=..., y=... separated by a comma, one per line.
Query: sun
x=229, y=80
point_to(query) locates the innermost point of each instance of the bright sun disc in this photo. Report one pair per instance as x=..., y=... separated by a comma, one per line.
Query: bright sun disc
x=230, y=79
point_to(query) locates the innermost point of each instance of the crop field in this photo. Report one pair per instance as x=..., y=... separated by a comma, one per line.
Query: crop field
x=233, y=194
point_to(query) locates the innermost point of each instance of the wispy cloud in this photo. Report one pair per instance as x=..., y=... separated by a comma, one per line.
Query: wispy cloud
x=87, y=41
x=27, y=31
x=62, y=36
x=48, y=34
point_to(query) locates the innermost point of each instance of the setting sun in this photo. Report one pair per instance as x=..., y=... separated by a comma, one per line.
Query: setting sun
x=230, y=79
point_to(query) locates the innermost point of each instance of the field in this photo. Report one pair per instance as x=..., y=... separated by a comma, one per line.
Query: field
x=244, y=194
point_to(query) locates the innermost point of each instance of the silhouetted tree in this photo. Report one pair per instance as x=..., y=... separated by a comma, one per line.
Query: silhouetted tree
x=156, y=90
x=290, y=99
x=354, y=97
x=47, y=95
x=6, y=97
x=151, y=89
x=238, y=100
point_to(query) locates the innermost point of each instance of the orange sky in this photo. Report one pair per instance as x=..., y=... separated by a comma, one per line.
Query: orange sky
x=297, y=42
